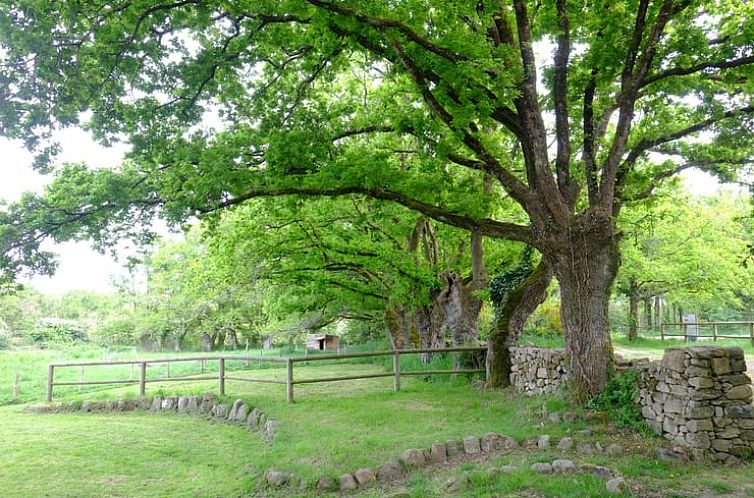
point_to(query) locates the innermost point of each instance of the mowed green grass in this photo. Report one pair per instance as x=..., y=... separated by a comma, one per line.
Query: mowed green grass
x=331, y=429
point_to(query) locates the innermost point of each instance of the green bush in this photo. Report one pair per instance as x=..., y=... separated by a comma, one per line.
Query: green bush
x=56, y=332
x=117, y=331
x=617, y=400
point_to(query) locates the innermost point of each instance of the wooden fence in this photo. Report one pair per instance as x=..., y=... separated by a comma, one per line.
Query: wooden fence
x=714, y=330
x=222, y=376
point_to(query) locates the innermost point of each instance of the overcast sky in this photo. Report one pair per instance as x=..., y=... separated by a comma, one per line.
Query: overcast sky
x=80, y=266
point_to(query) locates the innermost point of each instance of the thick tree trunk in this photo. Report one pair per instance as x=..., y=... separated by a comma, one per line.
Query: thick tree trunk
x=518, y=305
x=633, y=310
x=585, y=261
x=395, y=319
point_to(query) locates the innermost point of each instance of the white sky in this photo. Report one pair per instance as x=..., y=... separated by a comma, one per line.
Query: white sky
x=80, y=266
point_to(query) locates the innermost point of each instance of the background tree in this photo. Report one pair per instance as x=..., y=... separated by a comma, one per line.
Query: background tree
x=322, y=98
x=688, y=250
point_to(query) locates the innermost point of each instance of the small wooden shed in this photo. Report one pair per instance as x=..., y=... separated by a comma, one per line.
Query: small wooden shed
x=322, y=342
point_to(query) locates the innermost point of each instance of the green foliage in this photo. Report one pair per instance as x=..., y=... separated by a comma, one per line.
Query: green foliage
x=119, y=330
x=51, y=332
x=505, y=281
x=618, y=400
x=545, y=320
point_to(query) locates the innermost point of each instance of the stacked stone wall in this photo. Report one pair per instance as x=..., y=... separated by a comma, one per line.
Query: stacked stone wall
x=537, y=371
x=700, y=398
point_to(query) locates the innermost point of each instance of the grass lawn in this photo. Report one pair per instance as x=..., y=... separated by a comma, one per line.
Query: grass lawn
x=332, y=429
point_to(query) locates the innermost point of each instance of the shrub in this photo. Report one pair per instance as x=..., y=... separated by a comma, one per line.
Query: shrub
x=617, y=400
x=55, y=332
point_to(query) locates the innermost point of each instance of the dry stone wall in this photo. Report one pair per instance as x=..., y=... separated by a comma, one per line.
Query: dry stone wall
x=537, y=371
x=700, y=398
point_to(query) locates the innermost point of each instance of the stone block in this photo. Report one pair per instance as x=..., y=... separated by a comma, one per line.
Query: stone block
x=745, y=423
x=740, y=411
x=747, y=435
x=728, y=433
x=698, y=372
x=192, y=404
x=454, y=448
x=542, y=468
x=326, y=484
x=563, y=466
x=695, y=410
x=347, y=482
x=704, y=394
x=616, y=485
x=720, y=445
x=416, y=458
x=182, y=403
x=669, y=426
x=365, y=477
x=698, y=440
x=156, y=404
x=471, y=445
x=597, y=470
x=565, y=444
x=721, y=366
x=271, y=429
x=673, y=405
x=276, y=478
x=674, y=359
x=697, y=425
x=543, y=442
x=390, y=471
x=252, y=421
x=739, y=393
x=738, y=366
x=438, y=453
x=493, y=441
x=234, y=409
x=701, y=382
x=736, y=379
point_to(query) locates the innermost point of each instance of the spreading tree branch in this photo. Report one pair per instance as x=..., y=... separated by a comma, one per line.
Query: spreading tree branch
x=486, y=226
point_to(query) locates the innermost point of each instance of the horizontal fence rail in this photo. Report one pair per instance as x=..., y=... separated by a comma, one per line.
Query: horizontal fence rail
x=713, y=327
x=289, y=362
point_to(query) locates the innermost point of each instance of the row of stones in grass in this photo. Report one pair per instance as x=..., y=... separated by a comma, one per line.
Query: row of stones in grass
x=437, y=454
x=561, y=466
x=238, y=413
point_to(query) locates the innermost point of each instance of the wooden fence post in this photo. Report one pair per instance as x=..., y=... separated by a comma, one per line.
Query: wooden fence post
x=50, y=376
x=222, y=376
x=167, y=368
x=662, y=331
x=16, y=386
x=685, y=332
x=751, y=332
x=714, y=332
x=397, y=371
x=142, y=378
x=289, y=380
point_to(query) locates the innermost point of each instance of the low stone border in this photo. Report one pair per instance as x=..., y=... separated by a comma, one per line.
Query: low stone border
x=469, y=447
x=239, y=413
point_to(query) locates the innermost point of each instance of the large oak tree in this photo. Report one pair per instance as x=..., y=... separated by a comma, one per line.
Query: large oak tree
x=414, y=101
